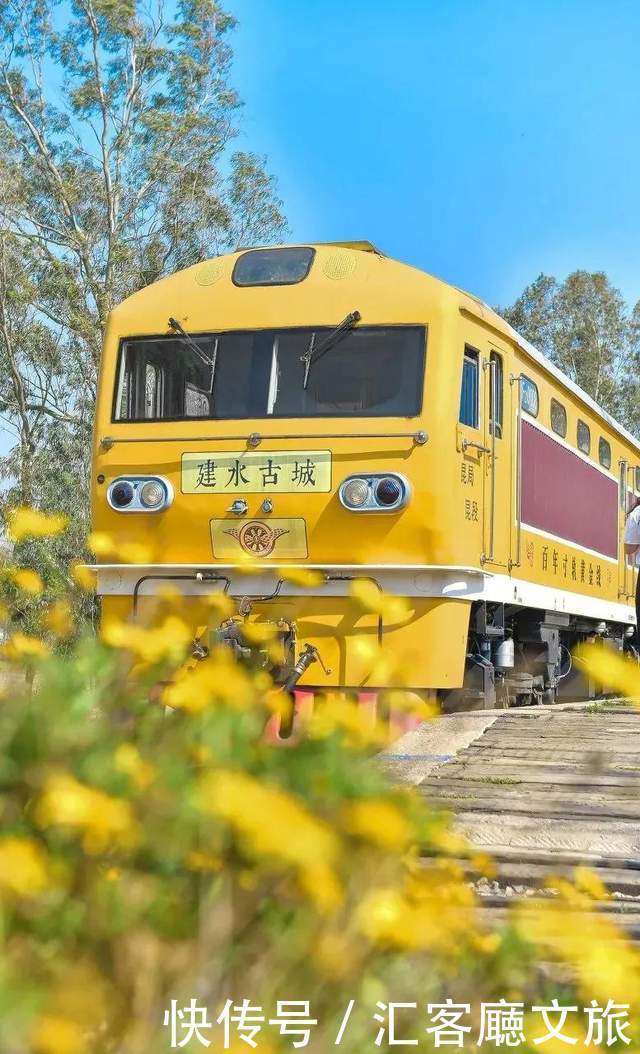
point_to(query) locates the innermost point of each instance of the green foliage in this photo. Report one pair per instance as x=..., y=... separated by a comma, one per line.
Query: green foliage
x=584, y=326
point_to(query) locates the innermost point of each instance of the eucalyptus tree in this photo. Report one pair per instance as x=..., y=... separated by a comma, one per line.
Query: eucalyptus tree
x=585, y=327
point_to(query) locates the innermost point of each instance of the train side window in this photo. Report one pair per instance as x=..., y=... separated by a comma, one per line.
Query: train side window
x=637, y=473
x=558, y=418
x=583, y=436
x=604, y=452
x=529, y=398
x=470, y=387
x=495, y=377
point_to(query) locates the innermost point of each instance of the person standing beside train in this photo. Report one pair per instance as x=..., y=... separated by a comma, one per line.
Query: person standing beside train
x=632, y=548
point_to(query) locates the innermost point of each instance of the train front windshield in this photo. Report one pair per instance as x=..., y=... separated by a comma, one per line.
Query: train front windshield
x=372, y=371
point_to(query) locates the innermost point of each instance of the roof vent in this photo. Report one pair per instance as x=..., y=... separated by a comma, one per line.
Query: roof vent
x=209, y=272
x=339, y=265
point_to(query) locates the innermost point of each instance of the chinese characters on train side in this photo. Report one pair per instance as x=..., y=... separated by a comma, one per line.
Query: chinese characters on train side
x=213, y=475
x=467, y=474
x=571, y=568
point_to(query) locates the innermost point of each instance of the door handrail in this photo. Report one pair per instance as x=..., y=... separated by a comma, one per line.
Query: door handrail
x=517, y=379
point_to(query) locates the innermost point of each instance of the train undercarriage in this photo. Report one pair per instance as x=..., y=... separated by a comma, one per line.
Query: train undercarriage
x=521, y=657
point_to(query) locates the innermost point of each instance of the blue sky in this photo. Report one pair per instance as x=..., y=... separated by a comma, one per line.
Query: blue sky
x=481, y=140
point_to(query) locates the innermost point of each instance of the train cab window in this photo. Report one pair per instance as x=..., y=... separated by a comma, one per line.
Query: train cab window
x=583, y=436
x=470, y=388
x=529, y=398
x=375, y=371
x=495, y=379
x=604, y=452
x=558, y=418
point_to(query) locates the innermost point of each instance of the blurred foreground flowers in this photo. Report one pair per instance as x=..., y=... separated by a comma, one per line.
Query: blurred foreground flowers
x=154, y=847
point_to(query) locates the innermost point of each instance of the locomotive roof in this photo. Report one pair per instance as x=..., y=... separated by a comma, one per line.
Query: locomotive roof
x=475, y=306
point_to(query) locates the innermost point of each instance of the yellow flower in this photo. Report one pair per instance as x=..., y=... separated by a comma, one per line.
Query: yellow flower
x=381, y=916
x=378, y=822
x=128, y=760
x=336, y=955
x=609, y=669
x=606, y=966
x=411, y=703
x=218, y=680
x=588, y=882
x=484, y=865
x=306, y=577
x=439, y=921
x=103, y=820
x=200, y=860
x=135, y=553
x=83, y=576
x=486, y=943
x=27, y=580
x=100, y=543
x=259, y=633
x=153, y=644
x=54, y=1034
x=247, y=565
x=367, y=594
x=447, y=841
x=321, y=885
x=273, y=826
x=24, y=868
x=333, y=714
x=58, y=618
x=21, y=646
x=31, y=523
x=220, y=603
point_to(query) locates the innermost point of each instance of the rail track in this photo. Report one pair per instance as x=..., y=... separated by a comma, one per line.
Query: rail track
x=544, y=791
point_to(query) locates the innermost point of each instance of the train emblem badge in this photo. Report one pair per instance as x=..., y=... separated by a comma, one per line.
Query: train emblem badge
x=257, y=538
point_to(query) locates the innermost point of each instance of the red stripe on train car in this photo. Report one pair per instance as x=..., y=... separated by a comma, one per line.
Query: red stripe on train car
x=565, y=496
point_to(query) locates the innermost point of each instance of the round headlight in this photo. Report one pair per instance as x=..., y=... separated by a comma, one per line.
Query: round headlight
x=388, y=491
x=355, y=493
x=121, y=494
x=152, y=494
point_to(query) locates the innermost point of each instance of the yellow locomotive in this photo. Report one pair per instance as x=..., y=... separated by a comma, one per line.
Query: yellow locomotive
x=324, y=406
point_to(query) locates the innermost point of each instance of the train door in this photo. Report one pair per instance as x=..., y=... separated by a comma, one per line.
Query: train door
x=628, y=498
x=496, y=464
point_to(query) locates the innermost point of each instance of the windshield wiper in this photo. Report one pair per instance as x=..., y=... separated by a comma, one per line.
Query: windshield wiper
x=181, y=331
x=178, y=328
x=314, y=353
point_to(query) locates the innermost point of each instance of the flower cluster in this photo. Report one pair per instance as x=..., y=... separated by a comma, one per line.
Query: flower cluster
x=154, y=843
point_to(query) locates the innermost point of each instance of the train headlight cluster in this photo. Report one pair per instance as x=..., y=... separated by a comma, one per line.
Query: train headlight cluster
x=140, y=494
x=374, y=492
x=152, y=494
x=121, y=494
x=354, y=492
x=388, y=491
